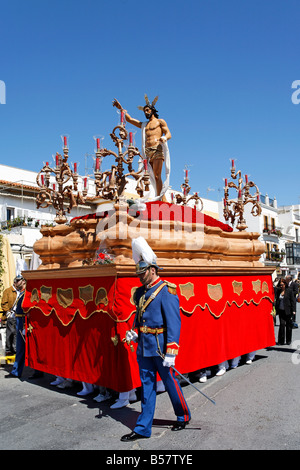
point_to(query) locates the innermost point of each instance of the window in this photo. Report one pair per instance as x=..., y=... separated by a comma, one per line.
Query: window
x=266, y=222
x=10, y=213
x=292, y=253
x=297, y=234
x=272, y=223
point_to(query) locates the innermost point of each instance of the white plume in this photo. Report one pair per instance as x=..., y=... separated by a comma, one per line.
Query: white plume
x=141, y=250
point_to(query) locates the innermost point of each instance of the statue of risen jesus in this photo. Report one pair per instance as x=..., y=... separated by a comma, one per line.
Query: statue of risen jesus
x=156, y=134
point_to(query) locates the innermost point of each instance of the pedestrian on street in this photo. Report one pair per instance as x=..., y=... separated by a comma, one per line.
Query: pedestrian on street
x=18, y=366
x=284, y=304
x=9, y=303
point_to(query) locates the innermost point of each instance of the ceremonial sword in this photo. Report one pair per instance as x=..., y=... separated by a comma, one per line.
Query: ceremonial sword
x=187, y=380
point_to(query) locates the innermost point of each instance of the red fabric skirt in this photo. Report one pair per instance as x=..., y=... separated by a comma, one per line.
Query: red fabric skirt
x=76, y=327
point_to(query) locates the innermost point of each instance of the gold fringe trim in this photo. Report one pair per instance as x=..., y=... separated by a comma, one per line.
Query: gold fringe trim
x=77, y=312
x=226, y=303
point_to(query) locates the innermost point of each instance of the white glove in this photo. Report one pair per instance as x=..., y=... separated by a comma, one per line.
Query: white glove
x=131, y=336
x=169, y=360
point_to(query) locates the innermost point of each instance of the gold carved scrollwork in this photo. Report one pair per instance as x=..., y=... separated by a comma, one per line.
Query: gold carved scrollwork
x=101, y=296
x=256, y=286
x=237, y=287
x=187, y=290
x=65, y=297
x=46, y=293
x=215, y=292
x=86, y=293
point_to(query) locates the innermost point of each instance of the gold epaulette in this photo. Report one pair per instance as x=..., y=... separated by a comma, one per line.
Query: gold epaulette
x=171, y=287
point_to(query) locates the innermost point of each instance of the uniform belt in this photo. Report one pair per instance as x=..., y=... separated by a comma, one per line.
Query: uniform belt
x=153, y=331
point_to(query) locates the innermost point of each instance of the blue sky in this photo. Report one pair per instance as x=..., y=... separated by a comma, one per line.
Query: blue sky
x=223, y=70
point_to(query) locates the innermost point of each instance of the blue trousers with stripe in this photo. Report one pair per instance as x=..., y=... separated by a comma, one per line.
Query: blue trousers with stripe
x=148, y=367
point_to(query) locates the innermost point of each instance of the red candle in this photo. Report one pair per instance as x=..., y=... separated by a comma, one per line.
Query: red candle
x=232, y=163
x=130, y=137
x=85, y=182
x=75, y=167
x=246, y=178
x=258, y=197
x=184, y=191
x=224, y=202
x=98, y=144
x=122, y=117
x=172, y=196
x=53, y=186
x=65, y=141
x=145, y=165
x=56, y=159
x=47, y=163
x=186, y=173
x=42, y=179
x=97, y=163
x=240, y=194
x=225, y=181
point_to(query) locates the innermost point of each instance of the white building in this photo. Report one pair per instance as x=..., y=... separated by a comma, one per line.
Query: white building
x=20, y=220
x=280, y=231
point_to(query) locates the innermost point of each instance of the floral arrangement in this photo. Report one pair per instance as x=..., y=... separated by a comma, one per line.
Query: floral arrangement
x=102, y=257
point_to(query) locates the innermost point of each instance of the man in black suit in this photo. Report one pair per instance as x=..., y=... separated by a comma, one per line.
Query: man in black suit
x=293, y=286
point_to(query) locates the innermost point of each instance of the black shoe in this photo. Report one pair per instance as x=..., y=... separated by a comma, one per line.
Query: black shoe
x=36, y=375
x=133, y=436
x=179, y=425
x=11, y=376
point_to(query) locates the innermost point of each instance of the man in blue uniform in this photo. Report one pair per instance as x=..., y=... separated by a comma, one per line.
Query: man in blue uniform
x=20, y=344
x=158, y=325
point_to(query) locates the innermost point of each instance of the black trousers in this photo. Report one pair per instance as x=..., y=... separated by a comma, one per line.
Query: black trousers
x=11, y=336
x=285, y=328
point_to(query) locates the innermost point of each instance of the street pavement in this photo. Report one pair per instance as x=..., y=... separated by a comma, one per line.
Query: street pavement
x=257, y=408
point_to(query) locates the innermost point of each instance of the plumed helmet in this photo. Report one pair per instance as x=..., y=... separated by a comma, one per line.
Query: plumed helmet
x=143, y=255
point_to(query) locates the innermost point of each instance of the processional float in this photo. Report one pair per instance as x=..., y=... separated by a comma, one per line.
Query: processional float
x=80, y=299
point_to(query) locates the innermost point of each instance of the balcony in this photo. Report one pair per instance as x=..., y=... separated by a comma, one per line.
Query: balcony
x=275, y=231
x=275, y=256
x=23, y=222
